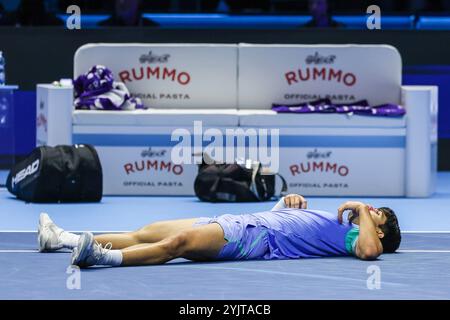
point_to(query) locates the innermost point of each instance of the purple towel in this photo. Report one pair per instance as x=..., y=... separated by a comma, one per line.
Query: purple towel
x=325, y=106
x=97, y=90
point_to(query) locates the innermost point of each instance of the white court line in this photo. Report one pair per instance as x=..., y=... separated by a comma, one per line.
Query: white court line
x=93, y=231
x=425, y=232
x=122, y=231
x=406, y=251
x=424, y=251
x=18, y=251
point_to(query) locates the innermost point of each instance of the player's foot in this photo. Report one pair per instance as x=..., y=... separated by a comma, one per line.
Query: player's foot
x=89, y=252
x=48, y=234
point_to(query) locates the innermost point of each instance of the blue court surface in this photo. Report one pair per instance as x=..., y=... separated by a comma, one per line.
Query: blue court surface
x=420, y=270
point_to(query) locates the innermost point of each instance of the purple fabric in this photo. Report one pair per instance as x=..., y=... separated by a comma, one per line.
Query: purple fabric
x=297, y=233
x=325, y=106
x=96, y=81
x=246, y=238
x=97, y=90
x=281, y=234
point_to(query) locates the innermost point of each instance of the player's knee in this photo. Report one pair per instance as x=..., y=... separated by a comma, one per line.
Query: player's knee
x=177, y=245
x=138, y=235
x=144, y=233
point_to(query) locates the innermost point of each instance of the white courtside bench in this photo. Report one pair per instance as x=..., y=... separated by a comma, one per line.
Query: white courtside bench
x=233, y=86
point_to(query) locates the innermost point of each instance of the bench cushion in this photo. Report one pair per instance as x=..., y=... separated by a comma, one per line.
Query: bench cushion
x=157, y=117
x=270, y=118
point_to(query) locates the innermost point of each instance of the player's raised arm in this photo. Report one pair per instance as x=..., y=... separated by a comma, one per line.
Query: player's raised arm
x=368, y=245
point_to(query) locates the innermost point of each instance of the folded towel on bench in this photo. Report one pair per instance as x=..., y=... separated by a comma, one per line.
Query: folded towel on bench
x=97, y=90
x=325, y=106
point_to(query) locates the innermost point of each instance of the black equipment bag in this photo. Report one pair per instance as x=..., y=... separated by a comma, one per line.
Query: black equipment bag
x=235, y=183
x=58, y=174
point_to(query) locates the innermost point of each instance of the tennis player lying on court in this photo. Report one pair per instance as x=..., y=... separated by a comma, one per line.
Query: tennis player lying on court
x=288, y=231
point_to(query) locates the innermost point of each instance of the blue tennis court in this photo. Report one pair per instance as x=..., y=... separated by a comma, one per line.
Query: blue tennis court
x=418, y=271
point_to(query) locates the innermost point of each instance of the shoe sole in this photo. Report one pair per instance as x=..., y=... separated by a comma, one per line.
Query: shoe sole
x=80, y=254
x=41, y=242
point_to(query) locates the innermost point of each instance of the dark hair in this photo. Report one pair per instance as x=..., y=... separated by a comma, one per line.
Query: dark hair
x=391, y=229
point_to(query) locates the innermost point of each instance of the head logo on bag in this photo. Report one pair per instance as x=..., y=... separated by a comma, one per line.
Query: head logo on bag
x=28, y=171
x=58, y=174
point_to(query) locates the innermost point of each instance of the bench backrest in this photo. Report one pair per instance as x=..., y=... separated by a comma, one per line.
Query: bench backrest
x=248, y=76
x=299, y=73
x=169, y=75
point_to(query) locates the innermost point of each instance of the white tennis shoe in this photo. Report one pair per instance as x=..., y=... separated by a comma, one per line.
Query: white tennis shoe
x=89, y=252
x=48, y=234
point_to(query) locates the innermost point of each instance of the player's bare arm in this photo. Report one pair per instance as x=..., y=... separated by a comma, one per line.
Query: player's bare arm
x=368, y=246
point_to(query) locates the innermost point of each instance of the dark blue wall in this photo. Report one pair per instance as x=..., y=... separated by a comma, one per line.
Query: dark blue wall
x=438, y=75
x=18, y=136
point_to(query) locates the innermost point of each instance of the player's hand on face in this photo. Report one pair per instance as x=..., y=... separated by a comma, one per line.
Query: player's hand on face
x=295, y=201
x=353, y=206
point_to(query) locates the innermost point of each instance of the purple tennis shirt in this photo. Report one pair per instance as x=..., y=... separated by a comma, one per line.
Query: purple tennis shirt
x=284, y=233
x=296, y=233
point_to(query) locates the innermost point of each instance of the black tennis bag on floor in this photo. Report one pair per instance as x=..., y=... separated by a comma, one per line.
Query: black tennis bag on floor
x=235, y=183
x=58, y=174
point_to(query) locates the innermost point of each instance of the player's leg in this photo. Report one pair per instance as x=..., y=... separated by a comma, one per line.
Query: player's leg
x=52, y=238
x=202, y=243
x=149, y=234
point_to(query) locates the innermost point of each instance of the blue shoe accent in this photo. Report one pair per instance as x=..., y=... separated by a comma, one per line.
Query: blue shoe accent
x=83, y=251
